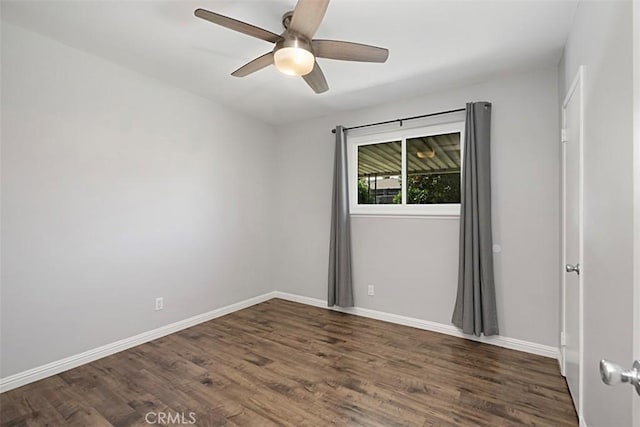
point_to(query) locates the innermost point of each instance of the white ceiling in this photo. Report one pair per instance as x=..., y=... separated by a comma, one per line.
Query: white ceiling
x=433, y=44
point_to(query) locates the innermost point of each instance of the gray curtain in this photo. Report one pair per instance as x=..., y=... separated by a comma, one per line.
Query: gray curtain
x=475, y=309
x=340, y=281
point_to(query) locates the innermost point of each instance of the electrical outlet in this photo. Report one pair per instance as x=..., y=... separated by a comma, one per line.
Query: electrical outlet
x=159, y=303
x=370, y=290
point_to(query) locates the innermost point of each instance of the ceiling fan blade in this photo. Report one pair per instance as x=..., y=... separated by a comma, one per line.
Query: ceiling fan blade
x=316, y=80
x=256, y=65
x=348, y=51
x=307, y=17
x=239, y=26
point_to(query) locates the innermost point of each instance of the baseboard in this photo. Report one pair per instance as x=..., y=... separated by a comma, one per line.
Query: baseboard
x=53, y=368
x=500, y=341
x=56, y=367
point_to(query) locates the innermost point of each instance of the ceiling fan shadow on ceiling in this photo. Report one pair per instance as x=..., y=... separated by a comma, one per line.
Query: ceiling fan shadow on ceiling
x=295, y=50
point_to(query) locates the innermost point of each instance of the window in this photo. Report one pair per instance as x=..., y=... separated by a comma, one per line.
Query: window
x=407, y=172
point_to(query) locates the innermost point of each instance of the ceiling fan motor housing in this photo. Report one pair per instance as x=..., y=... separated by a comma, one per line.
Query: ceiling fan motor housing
x=291, y=38
x=294, y=41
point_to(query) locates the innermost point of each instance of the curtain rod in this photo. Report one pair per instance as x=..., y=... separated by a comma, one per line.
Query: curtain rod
x=402, y=120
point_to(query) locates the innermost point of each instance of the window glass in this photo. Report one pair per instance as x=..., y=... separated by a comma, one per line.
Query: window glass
x=379, y=173
x=433, y=169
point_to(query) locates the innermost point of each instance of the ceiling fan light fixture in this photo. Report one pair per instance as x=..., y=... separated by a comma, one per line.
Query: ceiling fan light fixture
x=294, y=58
x=294, y=61
x=296, y=50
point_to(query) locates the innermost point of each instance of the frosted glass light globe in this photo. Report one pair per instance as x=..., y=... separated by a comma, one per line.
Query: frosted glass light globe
x=294, y=61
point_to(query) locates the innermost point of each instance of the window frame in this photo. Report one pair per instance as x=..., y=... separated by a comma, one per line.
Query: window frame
x=404, y=209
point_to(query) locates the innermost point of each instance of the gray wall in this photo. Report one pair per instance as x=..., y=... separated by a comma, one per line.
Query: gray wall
x=601, y=40
x=117, y=189
x=413, y=261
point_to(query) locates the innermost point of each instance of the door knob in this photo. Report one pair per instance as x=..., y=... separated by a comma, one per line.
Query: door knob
x=572, y=268
x=614, y=374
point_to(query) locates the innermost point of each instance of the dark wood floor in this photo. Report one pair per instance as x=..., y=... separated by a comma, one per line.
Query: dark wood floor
x=282, y=363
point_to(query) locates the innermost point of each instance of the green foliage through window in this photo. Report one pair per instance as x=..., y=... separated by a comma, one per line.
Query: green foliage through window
x=364, y=195
x=432, y=189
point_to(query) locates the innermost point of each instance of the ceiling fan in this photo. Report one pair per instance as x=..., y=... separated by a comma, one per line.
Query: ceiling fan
x=295, y=50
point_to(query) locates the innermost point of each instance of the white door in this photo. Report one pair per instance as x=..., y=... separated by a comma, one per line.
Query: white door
x=612, y=375
x=636, y=197
x=572, y=240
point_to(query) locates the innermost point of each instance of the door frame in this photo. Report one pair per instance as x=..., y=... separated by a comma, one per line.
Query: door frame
x=576, y=86
x=635, y=404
